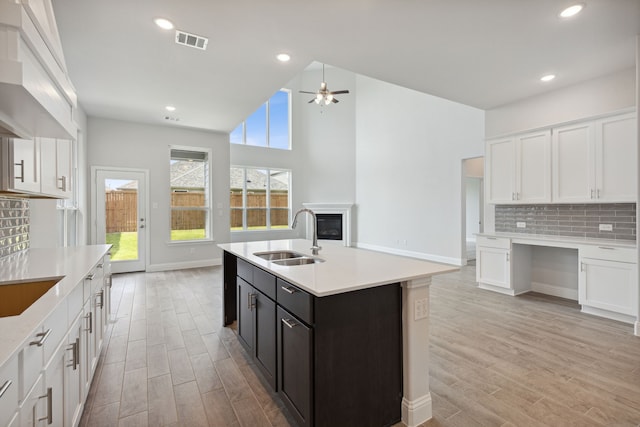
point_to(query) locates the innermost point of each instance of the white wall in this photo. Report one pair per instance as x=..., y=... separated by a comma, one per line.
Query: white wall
x=472, y=207
x=594, y=97
x=322, y=158
x=409, y=151
x=141, y=146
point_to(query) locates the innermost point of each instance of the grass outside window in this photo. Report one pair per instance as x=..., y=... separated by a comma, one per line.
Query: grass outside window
x=125, y=245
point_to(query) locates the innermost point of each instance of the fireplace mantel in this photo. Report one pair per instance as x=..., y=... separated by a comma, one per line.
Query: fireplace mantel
x=333, y=208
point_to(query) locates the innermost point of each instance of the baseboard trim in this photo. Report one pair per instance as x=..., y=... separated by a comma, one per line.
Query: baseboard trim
x=416, y=412
x=636, y=329
x=411, y=254
x=497, y=289
x=556, y=291
x=610, y=315
x=152, y=268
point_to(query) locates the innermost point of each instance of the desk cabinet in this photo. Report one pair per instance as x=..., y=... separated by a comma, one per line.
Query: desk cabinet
x=608, y=282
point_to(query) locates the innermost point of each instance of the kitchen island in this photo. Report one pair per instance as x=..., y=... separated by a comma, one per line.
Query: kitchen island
x=344, y=338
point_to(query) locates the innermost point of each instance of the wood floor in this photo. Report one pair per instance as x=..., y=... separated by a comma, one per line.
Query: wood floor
x=496, y=360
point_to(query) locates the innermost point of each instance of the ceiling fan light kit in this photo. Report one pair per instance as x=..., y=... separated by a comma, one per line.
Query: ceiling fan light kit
x=323, y=96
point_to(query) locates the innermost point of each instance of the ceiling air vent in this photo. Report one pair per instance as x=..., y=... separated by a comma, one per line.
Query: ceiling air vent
x=192, y=40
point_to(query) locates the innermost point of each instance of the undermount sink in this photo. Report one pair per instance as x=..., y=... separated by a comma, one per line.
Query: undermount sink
x=17, y=297
x=277, y=255
x=298, y=261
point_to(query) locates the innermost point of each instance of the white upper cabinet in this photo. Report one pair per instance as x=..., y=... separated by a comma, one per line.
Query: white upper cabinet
x=20, y=166
x=519, y=169
x=501, y=167
x=56, y=167
x=616, y=168
x=595, y=161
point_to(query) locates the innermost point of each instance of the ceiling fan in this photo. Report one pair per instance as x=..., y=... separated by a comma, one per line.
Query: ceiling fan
x=324, y=95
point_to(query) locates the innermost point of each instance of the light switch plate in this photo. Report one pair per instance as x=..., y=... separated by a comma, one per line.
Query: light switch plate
x=606, y=227
x=521, y=224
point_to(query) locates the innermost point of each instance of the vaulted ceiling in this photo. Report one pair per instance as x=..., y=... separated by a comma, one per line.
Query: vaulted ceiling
x=481, y=53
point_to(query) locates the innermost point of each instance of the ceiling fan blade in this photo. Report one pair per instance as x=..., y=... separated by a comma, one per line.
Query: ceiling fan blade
x=304, y=91
x=312, y=100
x=338, y=92
x=335, y=101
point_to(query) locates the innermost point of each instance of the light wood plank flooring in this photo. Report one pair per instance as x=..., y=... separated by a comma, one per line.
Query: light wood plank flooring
x=496, y=360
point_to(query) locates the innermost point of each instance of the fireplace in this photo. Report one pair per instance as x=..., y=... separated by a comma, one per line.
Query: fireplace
x=329, y=226
x=333, y=221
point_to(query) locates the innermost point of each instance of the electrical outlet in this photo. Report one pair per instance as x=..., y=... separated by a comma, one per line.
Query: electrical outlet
x=521, y=224
x=421, y=309
x=606, y=227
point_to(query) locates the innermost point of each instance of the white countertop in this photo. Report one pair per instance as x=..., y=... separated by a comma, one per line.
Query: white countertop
x=69, y=264
x=563, y=241
x=345, y=269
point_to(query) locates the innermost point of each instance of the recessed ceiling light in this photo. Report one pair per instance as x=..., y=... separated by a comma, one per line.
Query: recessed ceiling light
x=548, y=77
x=170, y=108
x=572, y=10
x=283, y=57
x=165, y=24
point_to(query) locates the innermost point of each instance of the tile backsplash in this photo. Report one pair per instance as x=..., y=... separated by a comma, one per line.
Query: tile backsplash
x=579, y=220
x=14, y=225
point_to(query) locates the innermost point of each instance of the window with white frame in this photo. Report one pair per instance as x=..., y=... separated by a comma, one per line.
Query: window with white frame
x=268, y=126
x=260, y=198
x=190, y=194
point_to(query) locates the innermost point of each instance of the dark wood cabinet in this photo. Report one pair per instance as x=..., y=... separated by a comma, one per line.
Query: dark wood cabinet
x=334, y=360
x=295, y=367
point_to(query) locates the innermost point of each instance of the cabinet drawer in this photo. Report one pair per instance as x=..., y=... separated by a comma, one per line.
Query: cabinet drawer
x=264, y=282
x=57, y=324
x=8, y=390
x=75, y=302
x=610, y=253
x=295, y=300
x=245, y=270
x=493, y=242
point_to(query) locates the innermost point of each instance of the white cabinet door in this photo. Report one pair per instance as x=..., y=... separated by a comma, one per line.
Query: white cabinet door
x=24, y=158
x=493, y=267
x=88, y=359
x=616, y=168
x=55, y=166
x=54, y=386
x=72, y=377
x=8, y=390
x=609, y=285
x=501, y=168
x=533, y=167
x=33, y=412
x=573, y=163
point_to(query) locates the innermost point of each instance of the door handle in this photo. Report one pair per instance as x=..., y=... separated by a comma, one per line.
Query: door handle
x=63, y=185
x=290, y=323
x=251, y=301
x=90, y=318
x=49, y=397
x=21, y=177
x=288, y=289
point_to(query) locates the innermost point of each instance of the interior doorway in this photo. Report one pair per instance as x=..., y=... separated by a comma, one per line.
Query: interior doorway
x=119, y=216
x=472, y=206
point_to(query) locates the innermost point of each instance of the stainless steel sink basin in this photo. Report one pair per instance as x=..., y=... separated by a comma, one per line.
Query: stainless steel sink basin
x=276, y=255
x=298, y=261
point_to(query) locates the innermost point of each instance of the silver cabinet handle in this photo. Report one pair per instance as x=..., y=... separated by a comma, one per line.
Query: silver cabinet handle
x=63, y=185
x=43, y=337
x=598, y=193
x=492, y=238
x=74, y=354
x=290, y=323
x=5, y=387
x=91, y=276
x=289, y=289
x=49, y=397
x=90, y=317
x=101, y=296
x=100, y=265
x=592, y=193
x=507, y=256
x=582, y=266
x=251, y=301
x=513, y=196
x=21, y=177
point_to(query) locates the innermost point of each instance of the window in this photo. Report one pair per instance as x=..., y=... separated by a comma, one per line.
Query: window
x=190, y=200
x=260, y=198
x=268, y=126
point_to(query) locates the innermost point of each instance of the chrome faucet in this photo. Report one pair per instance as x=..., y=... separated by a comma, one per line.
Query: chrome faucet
x=315, y=248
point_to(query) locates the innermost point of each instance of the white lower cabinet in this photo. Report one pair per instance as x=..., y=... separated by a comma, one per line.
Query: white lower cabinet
x=496, y=259
x=608, y=283
x=46, y=383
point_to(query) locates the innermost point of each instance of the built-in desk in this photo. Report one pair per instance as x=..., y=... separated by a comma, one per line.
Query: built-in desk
x=600, y=274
